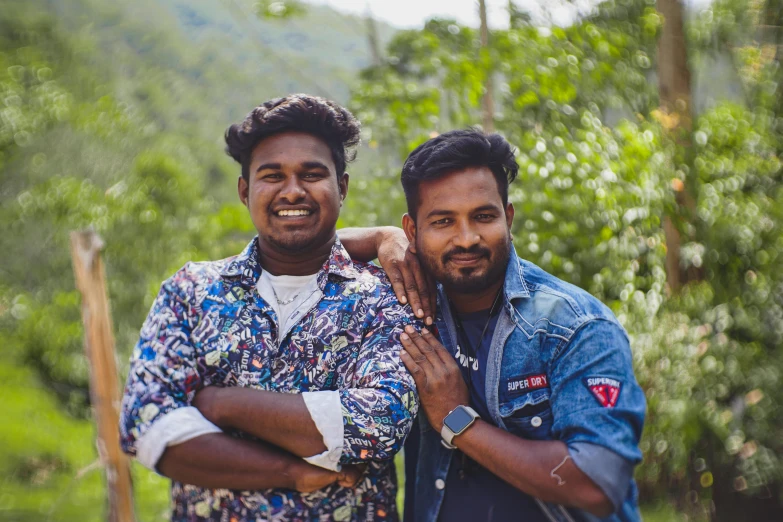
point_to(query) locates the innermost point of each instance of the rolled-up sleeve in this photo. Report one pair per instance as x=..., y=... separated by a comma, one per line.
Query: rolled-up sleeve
x=608, y=470
x=598, y=406
x=379, y=408
x=327, y=414
x=163, y=374
x=177, y=426
x=595, y=397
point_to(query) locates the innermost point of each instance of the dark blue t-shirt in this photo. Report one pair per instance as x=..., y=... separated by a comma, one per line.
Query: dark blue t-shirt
x=472, y=354
x=472, y=493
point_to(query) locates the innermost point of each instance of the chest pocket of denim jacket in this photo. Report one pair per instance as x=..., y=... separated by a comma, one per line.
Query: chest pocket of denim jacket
x=528, y=416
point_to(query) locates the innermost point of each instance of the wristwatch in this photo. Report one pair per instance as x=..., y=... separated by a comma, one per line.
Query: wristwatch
x=457, y=421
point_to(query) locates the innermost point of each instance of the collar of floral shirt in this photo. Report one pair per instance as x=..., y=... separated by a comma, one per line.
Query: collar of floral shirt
x=246, y=265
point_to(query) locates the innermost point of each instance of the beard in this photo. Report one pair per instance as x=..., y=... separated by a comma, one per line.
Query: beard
x=299, y=241
x=467, y=280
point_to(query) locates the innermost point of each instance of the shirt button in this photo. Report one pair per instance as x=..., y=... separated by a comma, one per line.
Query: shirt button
x=278, y=365
x=440, y=484
x=536, y=421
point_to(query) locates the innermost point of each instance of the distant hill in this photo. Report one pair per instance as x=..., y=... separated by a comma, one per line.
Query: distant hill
x=183, y=69
x=216, y=58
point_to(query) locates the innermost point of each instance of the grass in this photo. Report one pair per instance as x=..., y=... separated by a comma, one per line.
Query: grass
x=48, y=461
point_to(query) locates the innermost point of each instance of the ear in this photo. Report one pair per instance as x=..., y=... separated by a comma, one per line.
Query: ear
x=409, y=227
x=509, y=214
x=343, y=183
x=243, y=189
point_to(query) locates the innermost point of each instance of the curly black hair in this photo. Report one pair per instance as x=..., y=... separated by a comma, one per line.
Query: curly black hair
x=296, y=112
x=456, y=150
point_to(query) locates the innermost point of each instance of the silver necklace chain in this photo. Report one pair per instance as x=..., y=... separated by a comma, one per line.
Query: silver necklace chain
x=286, y=302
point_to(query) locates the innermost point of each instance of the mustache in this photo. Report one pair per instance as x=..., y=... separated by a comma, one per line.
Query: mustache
x=474, y=250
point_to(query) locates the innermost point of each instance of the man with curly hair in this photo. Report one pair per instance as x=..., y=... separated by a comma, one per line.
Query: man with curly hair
x=268, y=386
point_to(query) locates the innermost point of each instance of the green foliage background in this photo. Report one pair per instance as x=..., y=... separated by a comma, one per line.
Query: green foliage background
x=111, y=115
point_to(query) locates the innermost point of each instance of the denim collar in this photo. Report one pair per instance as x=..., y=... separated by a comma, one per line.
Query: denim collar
x=514, y=286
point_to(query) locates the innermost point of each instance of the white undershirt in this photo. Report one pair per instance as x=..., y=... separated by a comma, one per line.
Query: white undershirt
x=325, y=407
x=288, y=295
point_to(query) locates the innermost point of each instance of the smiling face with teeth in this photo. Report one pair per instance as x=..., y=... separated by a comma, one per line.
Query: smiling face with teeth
x=293, y=194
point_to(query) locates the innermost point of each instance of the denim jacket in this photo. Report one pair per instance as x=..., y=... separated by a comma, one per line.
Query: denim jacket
x=559, y=368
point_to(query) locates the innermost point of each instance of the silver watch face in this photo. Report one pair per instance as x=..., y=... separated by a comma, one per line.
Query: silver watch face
x=458, y=420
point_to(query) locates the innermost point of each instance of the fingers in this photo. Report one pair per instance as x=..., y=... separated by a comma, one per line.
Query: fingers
x=412, y=350
x=437, y=348
x=416, y=369
x=414, y=359
x=426, y=350
x=419, y=377
x=410, y=283
x=432, y=290
x=416, y=346
x=309, y=478
x=422, y=350
x=427, y=305
x=412, y=288
x=351, y=475
x=398, y=282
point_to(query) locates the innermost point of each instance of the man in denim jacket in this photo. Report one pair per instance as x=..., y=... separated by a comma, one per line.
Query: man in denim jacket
x=554, y=413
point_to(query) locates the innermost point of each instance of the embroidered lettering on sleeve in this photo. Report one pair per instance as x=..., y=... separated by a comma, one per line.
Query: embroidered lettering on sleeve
x=605, y=390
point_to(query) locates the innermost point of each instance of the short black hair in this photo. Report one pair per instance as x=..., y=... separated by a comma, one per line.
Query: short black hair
x=301, y=113
x=457, y=150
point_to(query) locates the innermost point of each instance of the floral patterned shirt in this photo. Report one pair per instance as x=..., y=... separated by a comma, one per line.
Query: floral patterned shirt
x=209, y=326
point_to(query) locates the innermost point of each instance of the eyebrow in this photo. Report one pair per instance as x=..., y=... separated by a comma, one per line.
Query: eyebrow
x=482, y=208
x=437, y=212
x=270, y=166
x=306, y=164
x=314, y=165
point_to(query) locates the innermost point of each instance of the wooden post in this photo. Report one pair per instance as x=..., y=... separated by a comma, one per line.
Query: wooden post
x=487, y=101
x=86, y=248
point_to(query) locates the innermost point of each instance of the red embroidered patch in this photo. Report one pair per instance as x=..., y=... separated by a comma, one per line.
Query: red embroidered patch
x=605, y=390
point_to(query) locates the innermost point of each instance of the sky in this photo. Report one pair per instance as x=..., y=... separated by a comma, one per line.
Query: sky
x=413, y=13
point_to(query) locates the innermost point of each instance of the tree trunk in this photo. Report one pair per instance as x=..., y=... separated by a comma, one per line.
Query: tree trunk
x=774, y=21
x=674, y=76
x=372, y=38
x=674, y=85
x=487, y=101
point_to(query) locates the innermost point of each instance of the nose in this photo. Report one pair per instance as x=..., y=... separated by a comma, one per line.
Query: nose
x=466, y=236
x=292, y=190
